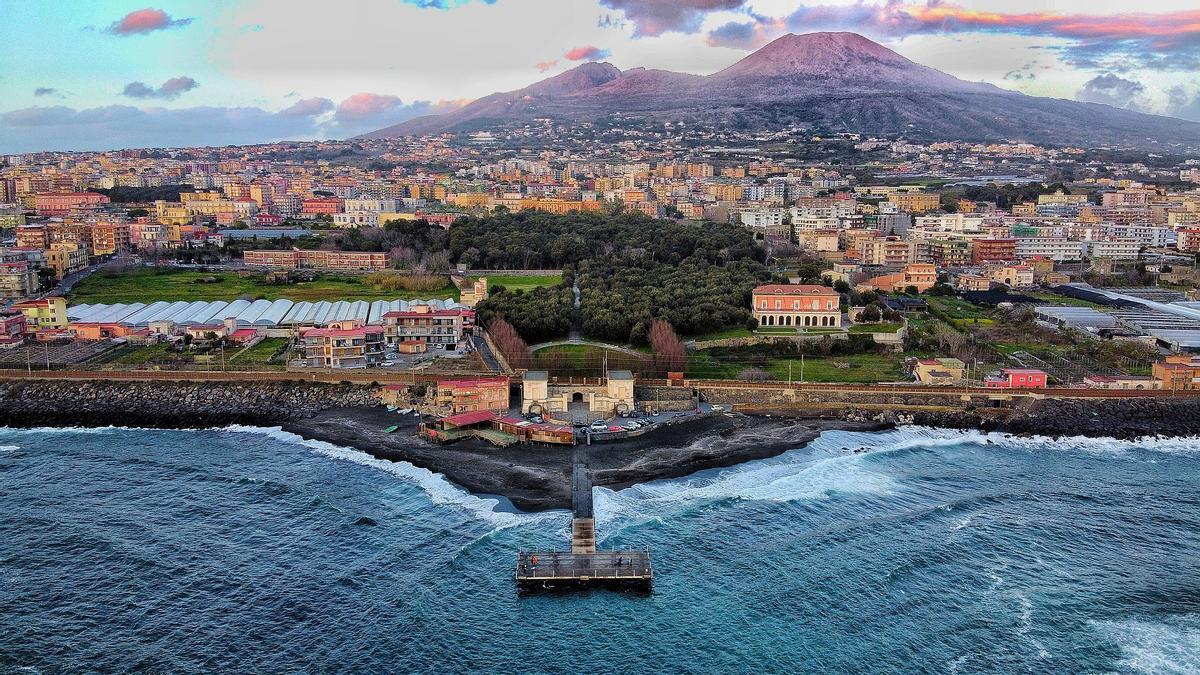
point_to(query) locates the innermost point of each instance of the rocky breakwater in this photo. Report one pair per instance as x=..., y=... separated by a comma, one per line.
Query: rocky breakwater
x=1115, y=418
x=31, y=403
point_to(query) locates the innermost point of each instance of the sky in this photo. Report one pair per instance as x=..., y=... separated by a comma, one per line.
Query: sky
x=106, y=74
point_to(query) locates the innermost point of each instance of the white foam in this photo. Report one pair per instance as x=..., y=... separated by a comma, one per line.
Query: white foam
x=791, y=477
x=911, y=437
x=435, y=485
x=9, y=448
x=1156, y=647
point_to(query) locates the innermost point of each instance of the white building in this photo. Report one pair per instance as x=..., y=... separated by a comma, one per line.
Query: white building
x=1049, y=247
x=1117, y=250
x=356, y=219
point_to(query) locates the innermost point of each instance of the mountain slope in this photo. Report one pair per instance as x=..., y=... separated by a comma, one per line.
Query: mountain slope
x=832, y=80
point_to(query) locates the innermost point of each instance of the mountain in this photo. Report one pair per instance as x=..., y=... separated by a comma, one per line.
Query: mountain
x=840, y=81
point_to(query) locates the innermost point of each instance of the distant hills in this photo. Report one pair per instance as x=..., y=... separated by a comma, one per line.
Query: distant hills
x=837, y=81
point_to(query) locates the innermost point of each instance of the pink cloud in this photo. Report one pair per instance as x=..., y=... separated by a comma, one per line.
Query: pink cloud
x=1156, y=40
x=543, y=66
x=365, y=104
x=587, y=53
x=142, y=21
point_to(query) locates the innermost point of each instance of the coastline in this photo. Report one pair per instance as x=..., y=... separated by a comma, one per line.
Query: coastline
x=532, y=477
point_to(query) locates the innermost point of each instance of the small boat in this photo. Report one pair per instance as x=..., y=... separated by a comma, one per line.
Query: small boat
x=391, y=428
x=404, y=411
x=391, y=408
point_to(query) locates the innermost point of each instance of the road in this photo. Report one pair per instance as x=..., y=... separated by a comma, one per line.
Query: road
x=485, y=352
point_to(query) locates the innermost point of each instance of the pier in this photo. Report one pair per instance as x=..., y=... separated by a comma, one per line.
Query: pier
x=583, y=566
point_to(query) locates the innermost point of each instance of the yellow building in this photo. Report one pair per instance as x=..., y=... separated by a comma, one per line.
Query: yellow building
x=917, y=202
x=48, y=312
x=66, y=258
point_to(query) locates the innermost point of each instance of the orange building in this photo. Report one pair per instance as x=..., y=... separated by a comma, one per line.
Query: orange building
x=1178, y=372
x=984, y=250
x=484, y=393
x=921, y=275
x=803, y=305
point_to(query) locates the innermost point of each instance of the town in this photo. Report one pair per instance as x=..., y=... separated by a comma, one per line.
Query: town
x=466, y=258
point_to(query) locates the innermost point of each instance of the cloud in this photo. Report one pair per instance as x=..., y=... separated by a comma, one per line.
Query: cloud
x=1182, y=104
x=1163, y=41
x=143, y=21
x=586, y=53
x=171, y=89
x=654, y=17
x=308, y=107
x=544, y=66
x=1111, y=90
x=45, y=91
x=366, y=111
x=122, y=126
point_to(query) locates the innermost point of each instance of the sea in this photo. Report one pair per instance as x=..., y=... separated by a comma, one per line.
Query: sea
x=913, y=550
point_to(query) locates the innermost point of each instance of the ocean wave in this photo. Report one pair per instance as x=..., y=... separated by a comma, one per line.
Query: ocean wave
x=1156, y=646
x=9, y=448
x=794, y=476
x=435, y=485
x=918, y=438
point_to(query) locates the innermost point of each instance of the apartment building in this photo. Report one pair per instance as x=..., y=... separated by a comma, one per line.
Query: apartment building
x=66, y=258
x=345, y=344
x=61, y=203
x=471, y=395
x=323, y=260
x=989, y=250
x=422, y=323
x=111, y=237
x=44, y=313
x=891, y=251
x=1116, y=250
x=1178, y=372
x=1053, y=248
x=18, y=278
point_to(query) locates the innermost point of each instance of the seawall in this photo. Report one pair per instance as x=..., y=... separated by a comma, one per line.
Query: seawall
x=166, y=404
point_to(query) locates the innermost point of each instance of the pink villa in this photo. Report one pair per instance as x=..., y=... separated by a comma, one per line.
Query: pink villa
x=1016, y=378
x=60, y=203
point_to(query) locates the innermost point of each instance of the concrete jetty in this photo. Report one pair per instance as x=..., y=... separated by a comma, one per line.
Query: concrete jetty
x=583, y=566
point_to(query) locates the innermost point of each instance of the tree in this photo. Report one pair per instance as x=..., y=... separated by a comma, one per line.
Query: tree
x=911, y=290
x=669, y=353
x=841, y=286
x=870, y=315
x=510, y=344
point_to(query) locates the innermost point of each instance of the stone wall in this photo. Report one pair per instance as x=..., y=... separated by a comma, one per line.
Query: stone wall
x=27, y=403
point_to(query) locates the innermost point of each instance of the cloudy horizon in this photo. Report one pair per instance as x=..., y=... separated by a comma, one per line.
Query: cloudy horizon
x=113, y=74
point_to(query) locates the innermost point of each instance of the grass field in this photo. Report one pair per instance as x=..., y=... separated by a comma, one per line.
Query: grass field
x=153, y=284
x=160, y=353
x=259, y=353
x=583, y=359
x=1056, y=299
x=876, y=327
x=521, y=282
x=726, y=334
x=862, y=368
x=960, y=312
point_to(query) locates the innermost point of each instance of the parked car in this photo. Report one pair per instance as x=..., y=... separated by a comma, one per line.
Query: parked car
x=599, y=425
x=631, y=426
x=387, y=364
x=616, y=429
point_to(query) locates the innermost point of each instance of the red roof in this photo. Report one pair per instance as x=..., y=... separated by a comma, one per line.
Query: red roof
x=476, y=382
x=342, y=332
x=794, y=289
x=469, y=418
x=399, y=314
